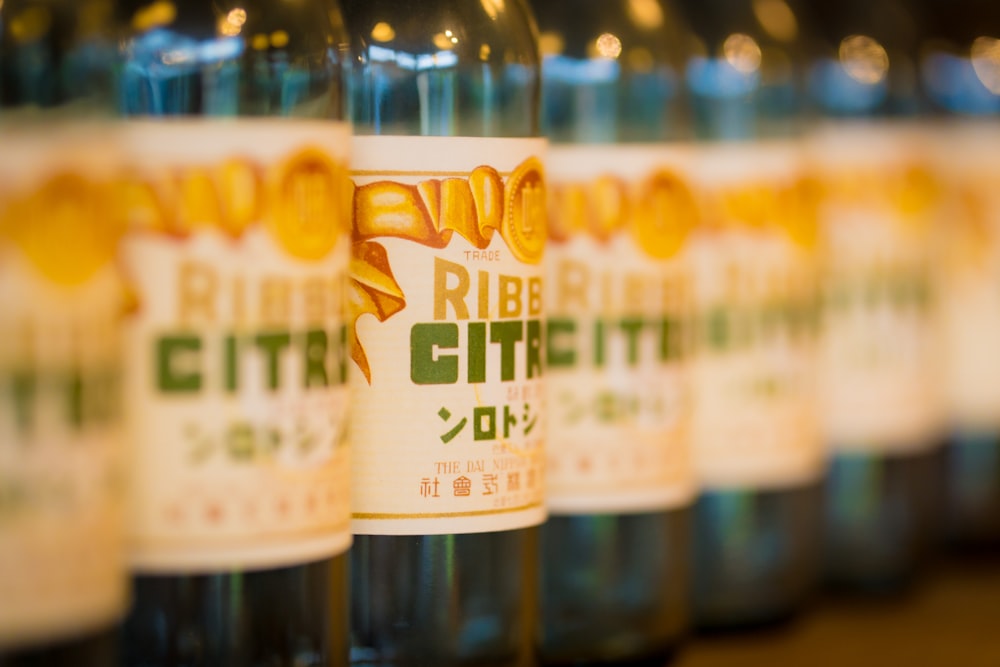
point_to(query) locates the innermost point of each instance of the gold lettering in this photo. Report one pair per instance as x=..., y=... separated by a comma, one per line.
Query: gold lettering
x=635, y=290
x=572, y=285
x=197, y=292
x=534, y=296
x=444, y=295
x=275, y=301
x=510, y=296
x=315, y=294
x=484, y=295
x=239, y=300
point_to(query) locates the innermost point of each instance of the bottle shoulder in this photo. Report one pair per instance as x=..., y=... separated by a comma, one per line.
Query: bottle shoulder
x=441, y=34
x=612, y=70
x=443, y=68
x=637, y=31
x=231, y=58
x=57, y=55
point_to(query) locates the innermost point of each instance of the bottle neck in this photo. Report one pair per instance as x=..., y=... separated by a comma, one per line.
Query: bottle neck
x=232, y=58
x=463, y=69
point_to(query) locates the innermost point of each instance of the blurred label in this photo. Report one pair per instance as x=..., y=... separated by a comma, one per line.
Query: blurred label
x=238, y=355
x=969, y=303
x=620, y=316
x=756, y=410
x=449, y=418
x=879, y=371
x=62, y=571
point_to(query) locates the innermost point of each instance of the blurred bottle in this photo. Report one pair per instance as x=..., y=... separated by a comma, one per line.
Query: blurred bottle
x=237, y=386
x=958, y=70
x=449, y=422
x=63, y=582
x=880, y=383
x=756, y=440
x=615, y=551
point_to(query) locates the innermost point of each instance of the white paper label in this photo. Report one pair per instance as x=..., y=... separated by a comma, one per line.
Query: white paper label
x=449, y=414
x=756, y=410
x=879, y=360
x=620, y=317
x=62, y=569
x=237, y=375
x=969, y=303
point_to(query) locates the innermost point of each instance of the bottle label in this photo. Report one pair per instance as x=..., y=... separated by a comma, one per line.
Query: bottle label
x=62, y=570
x=620, y=315
x=449, y=413
x=237, y=376
x=970, y=300
x=880, y=385
x=756, y=405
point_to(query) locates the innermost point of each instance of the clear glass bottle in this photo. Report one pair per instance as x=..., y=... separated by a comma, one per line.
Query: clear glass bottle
x=616, y=547
x=238, y=251
x=964, y=102
x=440, y=90
x=757, y=519
x=63, y=580
x=879, y=351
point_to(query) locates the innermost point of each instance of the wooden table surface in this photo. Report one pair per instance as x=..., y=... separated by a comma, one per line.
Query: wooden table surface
x=951, y=619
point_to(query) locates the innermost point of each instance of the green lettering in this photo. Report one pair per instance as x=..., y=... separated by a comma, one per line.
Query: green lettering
x=75, y=399
x=272, y=344
x=484, y=423
x=671, y=339
x=342, y=354
x=508, y=334
x=534, y=348
x=315, y=358
x=23, y=390
x=599, y=343
x=171, y=351
x=477, y=352
x=632, y=326
x=560, y=351
x=718, y=331
x=425, y=340
x=231, y=363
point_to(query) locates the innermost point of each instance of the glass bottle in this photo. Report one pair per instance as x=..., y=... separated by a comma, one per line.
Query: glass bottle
x=63, y=580
x=238, y=252
x=882, y=403
x=615, y=550
x=964, y=100
x=449, y=231
x=757, y=447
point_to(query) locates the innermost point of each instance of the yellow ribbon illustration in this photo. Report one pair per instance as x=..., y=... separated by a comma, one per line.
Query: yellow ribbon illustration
x=792, y=208
x=659, y=211
x=69, y=228
x=911, y=191
x=301, y=201
x=430, y=213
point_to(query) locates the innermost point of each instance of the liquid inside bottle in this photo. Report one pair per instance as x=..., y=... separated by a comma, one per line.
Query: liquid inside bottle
x=448, y=465
x=238, y=250
x=757, y=446
x=615, y=550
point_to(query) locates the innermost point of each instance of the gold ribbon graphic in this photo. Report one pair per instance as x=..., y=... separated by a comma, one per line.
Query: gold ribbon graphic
x=659, y=211
x=69, y=228
x=969, y=239
x=301, y=201
x=911, y=191
x=791, y=208
x=430, y=213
